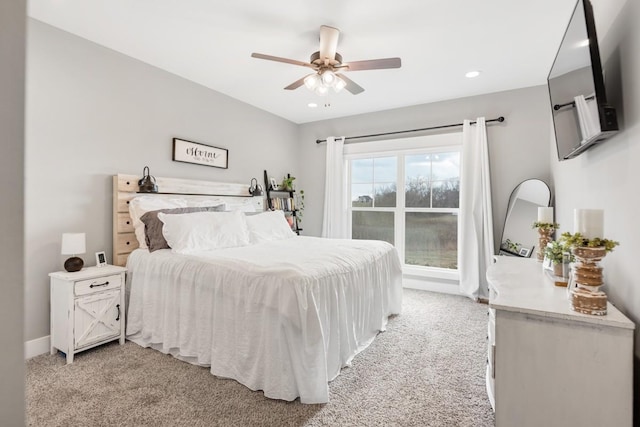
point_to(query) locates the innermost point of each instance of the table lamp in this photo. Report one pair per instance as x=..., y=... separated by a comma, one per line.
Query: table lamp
x=73, y=244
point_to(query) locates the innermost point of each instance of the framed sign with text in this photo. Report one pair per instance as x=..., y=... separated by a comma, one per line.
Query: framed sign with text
x=200, y=154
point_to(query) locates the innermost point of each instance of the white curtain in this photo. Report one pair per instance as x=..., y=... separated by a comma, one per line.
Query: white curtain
x=475, y=236
x=334, y=221
x=587, y=111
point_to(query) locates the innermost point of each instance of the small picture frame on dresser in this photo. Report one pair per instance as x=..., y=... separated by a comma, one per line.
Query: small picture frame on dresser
x=524, y=252
x=101, y=259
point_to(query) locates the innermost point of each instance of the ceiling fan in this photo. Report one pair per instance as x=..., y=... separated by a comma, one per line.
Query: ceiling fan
x=328, y=66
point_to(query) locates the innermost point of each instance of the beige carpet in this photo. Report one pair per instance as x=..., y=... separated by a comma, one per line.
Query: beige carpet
x=427, y=369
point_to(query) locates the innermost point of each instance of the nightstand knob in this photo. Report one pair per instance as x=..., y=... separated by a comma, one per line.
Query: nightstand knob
x=127, y=243
x=128, y=222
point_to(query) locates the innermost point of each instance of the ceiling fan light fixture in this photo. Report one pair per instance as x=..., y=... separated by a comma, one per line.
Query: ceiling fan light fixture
x=328, y=78
x=312, y=81
x=328, y=66
x=339, y=85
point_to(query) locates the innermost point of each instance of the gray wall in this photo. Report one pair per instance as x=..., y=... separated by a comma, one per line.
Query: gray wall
x=607, y=176
x=92, y=113
x=518, y=148
x=12, y=58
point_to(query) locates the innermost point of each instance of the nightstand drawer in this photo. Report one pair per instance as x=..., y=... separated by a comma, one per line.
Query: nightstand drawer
x=100, y=284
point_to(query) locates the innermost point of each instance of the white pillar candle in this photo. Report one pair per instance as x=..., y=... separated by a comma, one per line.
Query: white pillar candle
x=545, y=215
x=589, y=223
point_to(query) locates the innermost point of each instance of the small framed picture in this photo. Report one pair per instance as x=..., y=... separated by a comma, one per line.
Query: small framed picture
x=524, y=252
x=274, y=184
x=101, y=259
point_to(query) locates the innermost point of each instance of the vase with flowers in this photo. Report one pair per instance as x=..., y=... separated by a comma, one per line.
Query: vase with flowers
x=557, y=256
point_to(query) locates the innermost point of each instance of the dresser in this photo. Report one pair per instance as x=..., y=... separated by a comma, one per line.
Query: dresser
x=87, y=308
x=548, y=365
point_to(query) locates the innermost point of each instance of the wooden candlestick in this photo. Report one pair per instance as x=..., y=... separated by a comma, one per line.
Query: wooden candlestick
x=544, y=237
x=586, y=280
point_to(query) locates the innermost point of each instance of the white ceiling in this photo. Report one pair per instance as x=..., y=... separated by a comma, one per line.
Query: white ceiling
x=513, y=44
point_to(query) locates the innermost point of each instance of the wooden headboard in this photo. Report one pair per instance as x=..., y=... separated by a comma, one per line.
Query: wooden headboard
x=125, y=188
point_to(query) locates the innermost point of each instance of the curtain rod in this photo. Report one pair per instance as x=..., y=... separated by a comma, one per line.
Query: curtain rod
x=499, y=119
x=572, y=103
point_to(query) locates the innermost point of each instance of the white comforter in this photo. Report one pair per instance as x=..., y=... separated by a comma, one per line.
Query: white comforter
x=283, y=317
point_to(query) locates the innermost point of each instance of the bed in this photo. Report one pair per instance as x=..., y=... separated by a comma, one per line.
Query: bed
x=282, y=316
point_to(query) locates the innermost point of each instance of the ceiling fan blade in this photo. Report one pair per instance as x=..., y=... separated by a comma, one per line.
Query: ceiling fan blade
x=374, y=64
x=328, y=42
x=285, y=60
x=351, y=86
x=297, y=83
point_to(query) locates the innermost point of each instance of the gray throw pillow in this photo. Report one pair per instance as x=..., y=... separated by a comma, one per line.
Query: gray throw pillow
x=153, y=226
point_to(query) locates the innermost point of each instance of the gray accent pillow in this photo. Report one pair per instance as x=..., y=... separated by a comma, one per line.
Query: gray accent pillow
x=153, y=226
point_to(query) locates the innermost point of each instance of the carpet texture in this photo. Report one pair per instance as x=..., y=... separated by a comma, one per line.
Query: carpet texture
x=427, y=369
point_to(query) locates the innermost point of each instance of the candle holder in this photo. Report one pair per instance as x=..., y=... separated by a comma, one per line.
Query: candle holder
x=545, y=232
x=586, y=280
x=586, y=274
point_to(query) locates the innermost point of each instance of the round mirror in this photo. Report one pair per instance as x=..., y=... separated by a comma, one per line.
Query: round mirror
x=519, y=238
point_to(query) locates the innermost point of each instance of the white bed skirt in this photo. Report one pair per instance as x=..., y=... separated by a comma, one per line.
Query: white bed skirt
x=283, y=317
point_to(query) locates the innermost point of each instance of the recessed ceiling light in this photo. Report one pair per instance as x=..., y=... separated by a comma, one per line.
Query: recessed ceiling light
x=472, y=74
x=312, y=105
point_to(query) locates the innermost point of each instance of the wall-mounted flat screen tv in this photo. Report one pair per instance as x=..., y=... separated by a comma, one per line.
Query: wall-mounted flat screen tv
x=581, y=115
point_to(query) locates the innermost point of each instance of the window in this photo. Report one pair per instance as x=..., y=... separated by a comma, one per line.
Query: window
x=373, y=185
x=409, y=199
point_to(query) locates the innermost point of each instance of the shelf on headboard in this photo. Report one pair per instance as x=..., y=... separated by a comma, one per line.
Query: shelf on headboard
x=193, y=194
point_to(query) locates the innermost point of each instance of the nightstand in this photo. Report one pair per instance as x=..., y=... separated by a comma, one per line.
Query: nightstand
x=87, y=308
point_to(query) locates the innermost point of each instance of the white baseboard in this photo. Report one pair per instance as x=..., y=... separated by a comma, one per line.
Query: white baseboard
x=37, y=347
x=424, y=284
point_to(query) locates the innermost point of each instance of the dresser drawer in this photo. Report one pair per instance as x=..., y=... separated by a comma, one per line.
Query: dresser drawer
x=84, y=287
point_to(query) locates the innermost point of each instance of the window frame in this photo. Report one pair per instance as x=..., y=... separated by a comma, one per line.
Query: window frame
x=399, y=148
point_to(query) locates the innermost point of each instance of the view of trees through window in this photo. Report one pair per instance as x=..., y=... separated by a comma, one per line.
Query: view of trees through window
x=426, y=213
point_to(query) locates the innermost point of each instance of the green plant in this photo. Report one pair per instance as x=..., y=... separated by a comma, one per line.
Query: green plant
x=546, y=225
x=287, y=182
x=299, y=205
x=555, y=251
x=577, y=240
x=511, y=246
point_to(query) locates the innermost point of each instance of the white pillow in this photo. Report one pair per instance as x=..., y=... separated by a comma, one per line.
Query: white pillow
x=143, y=204
x=202, y=231
x=267, y=226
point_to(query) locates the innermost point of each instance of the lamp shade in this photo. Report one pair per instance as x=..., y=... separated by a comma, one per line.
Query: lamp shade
x=311, y=81
x=73, y=243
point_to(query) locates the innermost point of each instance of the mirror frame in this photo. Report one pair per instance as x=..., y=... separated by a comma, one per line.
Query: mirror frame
x=509, y=208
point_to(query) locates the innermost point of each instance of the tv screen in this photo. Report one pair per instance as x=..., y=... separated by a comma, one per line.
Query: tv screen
x=581, y=116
